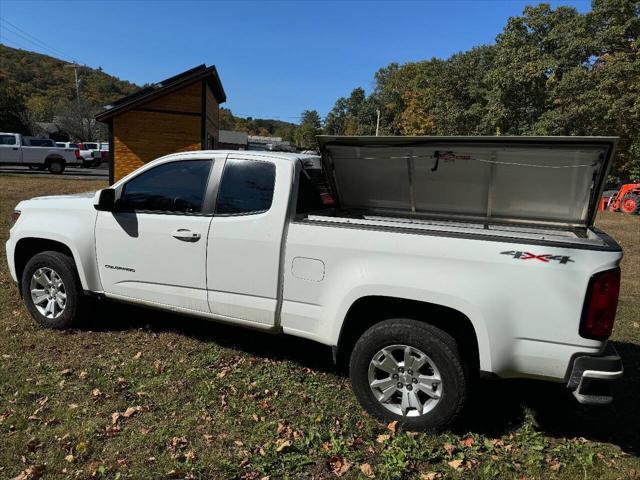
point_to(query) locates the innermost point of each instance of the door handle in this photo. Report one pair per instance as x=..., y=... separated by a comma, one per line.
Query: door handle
x=186, y=235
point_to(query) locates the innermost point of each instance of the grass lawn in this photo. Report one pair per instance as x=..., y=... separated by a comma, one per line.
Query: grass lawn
x=134, y=393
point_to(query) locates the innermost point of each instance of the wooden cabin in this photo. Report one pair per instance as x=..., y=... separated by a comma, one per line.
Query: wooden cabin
x=178, y=114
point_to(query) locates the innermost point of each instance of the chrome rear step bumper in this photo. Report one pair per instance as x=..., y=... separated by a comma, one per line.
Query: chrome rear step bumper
x=591, y=377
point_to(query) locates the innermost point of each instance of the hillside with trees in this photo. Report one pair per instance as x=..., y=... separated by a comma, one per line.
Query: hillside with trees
x=39, y=88
x=257, y=126
x=550, y=72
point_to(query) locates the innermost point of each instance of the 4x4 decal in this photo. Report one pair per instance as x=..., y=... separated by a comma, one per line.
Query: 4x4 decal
x=545, y=257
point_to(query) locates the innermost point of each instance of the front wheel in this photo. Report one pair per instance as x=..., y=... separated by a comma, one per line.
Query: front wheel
x=409, y=371
x=51, y=290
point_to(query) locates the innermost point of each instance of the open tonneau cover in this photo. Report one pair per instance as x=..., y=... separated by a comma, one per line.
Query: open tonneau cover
x=530, y=181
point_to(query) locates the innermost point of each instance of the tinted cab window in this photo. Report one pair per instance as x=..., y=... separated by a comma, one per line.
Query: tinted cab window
x=171, y=187
x=246, y=187
x=7, y=140
x=41, y=142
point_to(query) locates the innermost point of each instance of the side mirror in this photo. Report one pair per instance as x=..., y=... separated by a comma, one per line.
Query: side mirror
x=105, y=200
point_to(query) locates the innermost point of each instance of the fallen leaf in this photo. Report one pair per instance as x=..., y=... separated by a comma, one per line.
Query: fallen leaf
x=366, y=470
x=73, y=406
x=449, y=448
x=382, y=438
x=178, y=442
x=33, y=472
x=69, y=458
x=339, y=466
x=131, y=411
x=66, y=371
x=455, y=464
x=430, y=476
x=83, y=375
x=392, y=426
x=282, y=443
x=467, y=442
x=190, y=456
x=96, y=392
x=115, y=417
x=137, y=355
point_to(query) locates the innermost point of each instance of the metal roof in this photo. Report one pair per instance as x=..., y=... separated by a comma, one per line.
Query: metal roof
x=164, y=87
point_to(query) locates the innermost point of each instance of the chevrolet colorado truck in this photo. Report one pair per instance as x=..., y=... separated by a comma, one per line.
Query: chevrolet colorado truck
x=36, y=153
x=438, y=259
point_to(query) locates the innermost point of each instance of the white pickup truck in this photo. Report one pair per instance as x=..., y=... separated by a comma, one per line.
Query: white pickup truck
x=439, y=259
x=33, y=152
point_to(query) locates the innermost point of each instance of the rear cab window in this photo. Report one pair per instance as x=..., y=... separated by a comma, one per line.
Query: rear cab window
x=246, y=187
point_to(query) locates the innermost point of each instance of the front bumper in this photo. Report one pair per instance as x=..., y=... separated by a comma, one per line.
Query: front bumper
x=591, y=377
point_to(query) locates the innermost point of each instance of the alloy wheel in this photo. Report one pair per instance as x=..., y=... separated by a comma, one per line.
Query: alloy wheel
x=405, y=380
x=48, y=292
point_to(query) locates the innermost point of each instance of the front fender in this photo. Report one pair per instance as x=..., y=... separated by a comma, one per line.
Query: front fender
x=72, y=228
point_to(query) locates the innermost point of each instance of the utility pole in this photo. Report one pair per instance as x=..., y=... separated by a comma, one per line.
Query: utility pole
x=74, y=65
x=80, y=118
x=378, y=122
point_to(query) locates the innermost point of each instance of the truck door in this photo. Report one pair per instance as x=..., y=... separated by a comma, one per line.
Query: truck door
x=154, y=247
x=9, y=148
x=246, y=237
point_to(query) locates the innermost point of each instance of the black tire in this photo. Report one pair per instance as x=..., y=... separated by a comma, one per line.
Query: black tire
x=442, y=350
x=65, y=268
x=56, y=166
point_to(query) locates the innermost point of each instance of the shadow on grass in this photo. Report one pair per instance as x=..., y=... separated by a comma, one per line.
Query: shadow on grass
x=496, y=408
x=501, y=405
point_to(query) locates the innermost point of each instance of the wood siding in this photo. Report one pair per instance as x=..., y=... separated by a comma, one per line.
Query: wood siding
x=169, y=124
x=186, y=99
x=140, y=137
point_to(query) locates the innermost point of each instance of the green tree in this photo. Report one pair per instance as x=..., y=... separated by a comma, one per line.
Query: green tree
x=310, y=127
x=12, y=109
x=550, y=72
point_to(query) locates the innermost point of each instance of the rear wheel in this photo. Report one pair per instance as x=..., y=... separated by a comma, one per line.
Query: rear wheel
x=409, y=371
x=630, y=204
x=51, y=290
x=56, y=166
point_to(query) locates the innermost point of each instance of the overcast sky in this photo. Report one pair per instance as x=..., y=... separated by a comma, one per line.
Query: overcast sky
x=275, y=59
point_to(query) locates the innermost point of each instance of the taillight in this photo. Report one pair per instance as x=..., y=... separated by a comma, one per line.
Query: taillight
x=600, y=305
x=76, y=152
x=15, y=216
